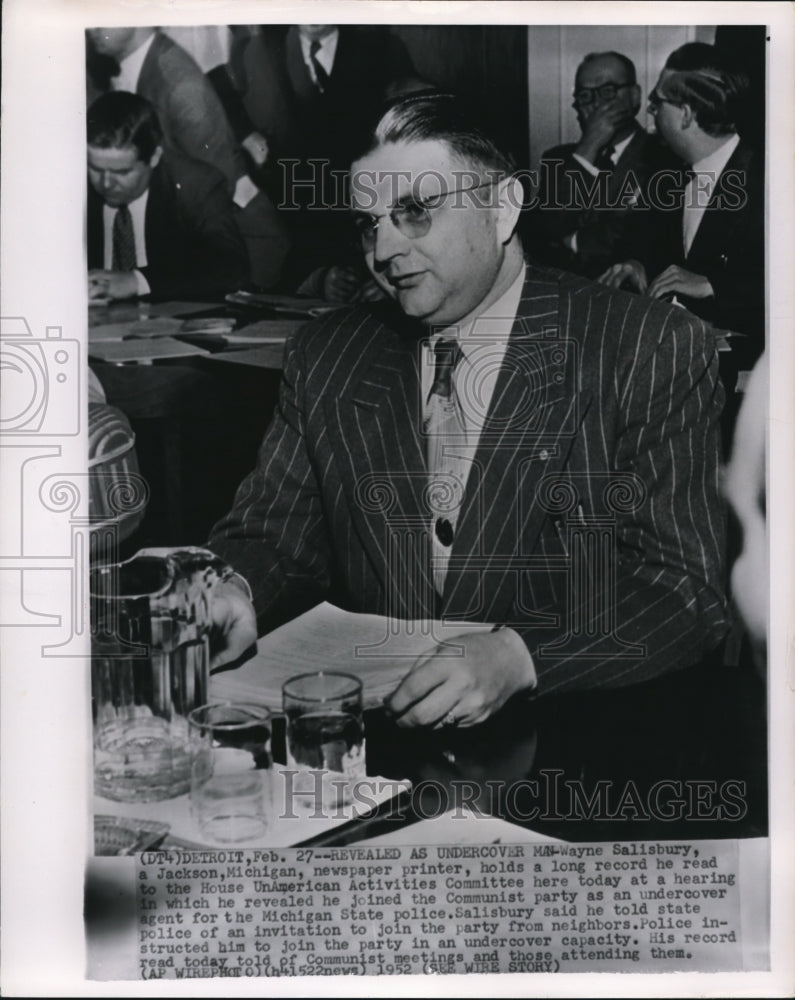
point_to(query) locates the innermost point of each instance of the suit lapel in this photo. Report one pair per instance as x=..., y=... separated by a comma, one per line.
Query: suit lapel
x=300, y=80
x=527, y=435
x=157, y=236
x=714, y=232
x=629, y=160
x=375, y=434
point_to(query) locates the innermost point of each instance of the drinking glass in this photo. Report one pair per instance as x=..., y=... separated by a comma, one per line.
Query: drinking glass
x=230, y=787
x=325, y=732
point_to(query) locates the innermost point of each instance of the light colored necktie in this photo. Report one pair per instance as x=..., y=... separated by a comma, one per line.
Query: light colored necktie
x=445, y=429
x=690, y=216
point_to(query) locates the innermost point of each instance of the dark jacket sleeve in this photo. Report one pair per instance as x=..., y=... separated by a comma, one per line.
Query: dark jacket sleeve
x=653, y=601
x=207, y=256
x=275, y=534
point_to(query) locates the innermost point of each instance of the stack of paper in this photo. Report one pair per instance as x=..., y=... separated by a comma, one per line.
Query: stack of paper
x=379, y=651
x=142, y=351
x=142, y=329
x=294, y=305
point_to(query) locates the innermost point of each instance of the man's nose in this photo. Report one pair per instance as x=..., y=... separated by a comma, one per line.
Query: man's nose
x=389, y=241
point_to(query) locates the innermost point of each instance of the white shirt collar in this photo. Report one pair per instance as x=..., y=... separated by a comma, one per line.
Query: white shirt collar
x=619, y=147
x=131, y=67
x=716, y=161
x=495, y=322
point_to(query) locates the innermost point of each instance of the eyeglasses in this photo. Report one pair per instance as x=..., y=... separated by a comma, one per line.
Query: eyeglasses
x=656, y=99
x=410, y=216
x=587, y=95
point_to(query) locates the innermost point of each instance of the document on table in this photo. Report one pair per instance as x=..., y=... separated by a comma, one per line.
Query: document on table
x=161, y=326
x=266, y=331
x=142, y=351
x=290, y=304
x=379, y=651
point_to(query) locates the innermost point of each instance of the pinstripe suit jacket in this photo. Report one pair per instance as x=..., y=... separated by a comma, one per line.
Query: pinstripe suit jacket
x=592, y=522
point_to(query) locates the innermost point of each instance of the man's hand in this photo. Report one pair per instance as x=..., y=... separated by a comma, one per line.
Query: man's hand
x=256, y=146
x=441, y=688
x=676, y=280
x=112, y=284
x=340, y=284
x=631, y=274
x=599, y=130
x=234, y=623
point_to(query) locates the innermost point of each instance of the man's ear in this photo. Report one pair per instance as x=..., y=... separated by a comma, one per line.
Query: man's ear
x=510, y=194
x=154, y=159
x=688, y=116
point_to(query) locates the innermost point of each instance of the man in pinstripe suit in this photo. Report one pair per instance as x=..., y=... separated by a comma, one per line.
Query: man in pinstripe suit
x=572, y=503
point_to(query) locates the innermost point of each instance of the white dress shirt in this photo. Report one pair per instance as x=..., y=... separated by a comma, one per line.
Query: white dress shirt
x=615, y=156
x=324, y=55
x=138, y=215
x=131, y=67
x=699, y=190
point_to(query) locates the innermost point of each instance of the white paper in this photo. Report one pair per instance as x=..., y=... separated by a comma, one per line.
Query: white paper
x=379, y=651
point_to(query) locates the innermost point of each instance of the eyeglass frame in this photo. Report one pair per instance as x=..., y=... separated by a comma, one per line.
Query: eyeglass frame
x=598, y=92
x=655, y=99
x=368, y=237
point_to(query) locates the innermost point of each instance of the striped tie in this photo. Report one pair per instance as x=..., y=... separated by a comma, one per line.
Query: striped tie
x=321, y=76
x=124, y=258
x=444, y=428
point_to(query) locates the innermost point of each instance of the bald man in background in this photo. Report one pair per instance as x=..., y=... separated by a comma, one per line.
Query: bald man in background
x=589, y=189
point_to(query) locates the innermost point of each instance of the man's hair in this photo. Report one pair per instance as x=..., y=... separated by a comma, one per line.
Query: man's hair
x=627, y=64
x=445, y=118
x=707, y=82
x=120, y=119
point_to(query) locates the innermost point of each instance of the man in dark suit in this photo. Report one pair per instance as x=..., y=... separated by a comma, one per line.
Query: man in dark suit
x=500, y=444
x=310, y=90
x=158, y=224
x=588, y=189
x=147, y=62
x=703, y=241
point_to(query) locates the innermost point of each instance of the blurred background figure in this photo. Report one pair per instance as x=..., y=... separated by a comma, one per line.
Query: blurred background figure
x=147, y=62
x=588, y=189
x=309, y=91
x=744, y=488
x=158, y=223
x=703, y=242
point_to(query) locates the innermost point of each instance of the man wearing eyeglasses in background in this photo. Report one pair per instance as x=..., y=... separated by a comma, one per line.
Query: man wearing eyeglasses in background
x=435, y=456
x=588, y=189
x=703, y=242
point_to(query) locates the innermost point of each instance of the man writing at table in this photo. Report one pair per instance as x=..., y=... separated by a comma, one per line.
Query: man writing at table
x=158, y=223
x=439, y=457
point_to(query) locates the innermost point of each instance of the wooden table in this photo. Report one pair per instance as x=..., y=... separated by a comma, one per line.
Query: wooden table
x=198, y=422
